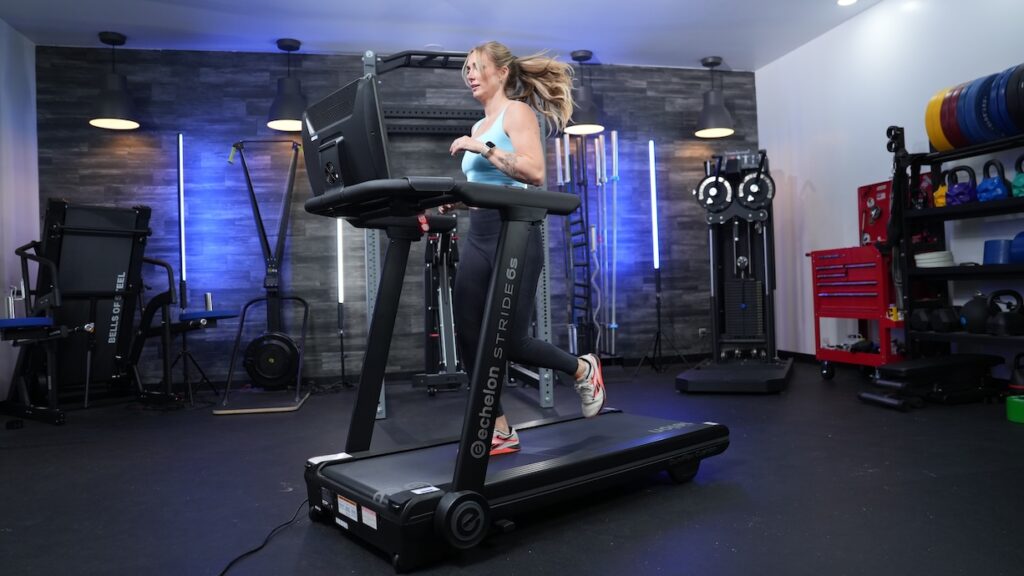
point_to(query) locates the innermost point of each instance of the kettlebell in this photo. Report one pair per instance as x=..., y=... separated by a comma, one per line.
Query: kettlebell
x=939, y=196
x=1009, y=322
x=1018, y=180
x=1017, y=377
x=974, y=314
x=993, y=187
x=960, y=193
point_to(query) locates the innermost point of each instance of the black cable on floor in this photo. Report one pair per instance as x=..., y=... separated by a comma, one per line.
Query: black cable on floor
x=266, y=540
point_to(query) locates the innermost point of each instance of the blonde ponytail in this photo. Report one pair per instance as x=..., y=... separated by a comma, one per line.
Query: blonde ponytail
x=543, y=83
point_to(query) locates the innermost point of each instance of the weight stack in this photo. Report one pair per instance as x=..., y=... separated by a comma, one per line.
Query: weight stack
x=744, y=308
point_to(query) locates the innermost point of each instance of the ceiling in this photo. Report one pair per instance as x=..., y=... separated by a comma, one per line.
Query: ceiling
x=669, y=33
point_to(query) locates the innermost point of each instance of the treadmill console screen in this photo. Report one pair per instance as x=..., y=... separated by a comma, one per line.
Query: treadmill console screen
x=344, y=138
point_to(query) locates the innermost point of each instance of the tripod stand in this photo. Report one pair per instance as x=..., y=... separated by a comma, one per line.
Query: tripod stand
x=655, y=355
x=188, y=321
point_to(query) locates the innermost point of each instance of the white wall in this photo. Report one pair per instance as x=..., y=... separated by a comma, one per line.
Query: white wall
x=822, y=113
x=19, y=172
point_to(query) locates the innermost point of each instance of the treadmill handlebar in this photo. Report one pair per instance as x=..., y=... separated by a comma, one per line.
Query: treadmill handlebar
x=411, y=196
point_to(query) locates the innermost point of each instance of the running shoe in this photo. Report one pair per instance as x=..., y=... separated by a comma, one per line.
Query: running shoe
x=502, y=443
x=591, y=387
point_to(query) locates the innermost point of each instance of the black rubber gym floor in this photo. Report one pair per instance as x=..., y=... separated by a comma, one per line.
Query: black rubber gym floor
x=814, y=483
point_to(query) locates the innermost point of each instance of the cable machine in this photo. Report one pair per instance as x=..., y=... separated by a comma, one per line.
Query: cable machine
x=737, y=193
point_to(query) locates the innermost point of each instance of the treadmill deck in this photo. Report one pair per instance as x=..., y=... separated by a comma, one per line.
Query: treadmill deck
x=546, y=447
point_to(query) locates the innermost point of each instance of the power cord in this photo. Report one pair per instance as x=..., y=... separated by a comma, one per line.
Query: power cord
x=266, y=540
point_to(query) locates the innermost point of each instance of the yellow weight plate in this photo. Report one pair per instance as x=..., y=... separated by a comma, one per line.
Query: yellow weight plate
x=933, y=122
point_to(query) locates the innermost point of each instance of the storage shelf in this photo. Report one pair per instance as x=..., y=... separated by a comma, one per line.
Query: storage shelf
x=970, y=272
x=967, y=151
x=917, y=220
x=963, y=337
x=970, y=210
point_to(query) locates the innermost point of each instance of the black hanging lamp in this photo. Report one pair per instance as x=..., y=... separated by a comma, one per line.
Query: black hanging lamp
x=114, y=109
x=585, y=116
x=290, y=102
x=715, y=121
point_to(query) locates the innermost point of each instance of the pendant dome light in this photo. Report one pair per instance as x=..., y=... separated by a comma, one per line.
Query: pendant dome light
x=290, y=102
x=715, y=121
x=114, y=109
x=585, y=115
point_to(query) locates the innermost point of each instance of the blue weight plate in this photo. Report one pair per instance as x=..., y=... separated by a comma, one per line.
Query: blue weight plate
x=999, y=94
x=961, y=114
x=985, y=120
x=1019, y=120
x=978, y=93
x=1014, y=105
x=971, y=112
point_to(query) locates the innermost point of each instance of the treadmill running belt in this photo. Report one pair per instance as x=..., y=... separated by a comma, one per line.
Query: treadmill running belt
x=579, y=444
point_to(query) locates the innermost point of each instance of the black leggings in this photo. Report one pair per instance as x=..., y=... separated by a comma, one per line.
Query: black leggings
x=477, y=250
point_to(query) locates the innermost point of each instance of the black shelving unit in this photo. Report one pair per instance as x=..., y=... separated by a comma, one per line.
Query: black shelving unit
x=925, y=335
x=918, y=219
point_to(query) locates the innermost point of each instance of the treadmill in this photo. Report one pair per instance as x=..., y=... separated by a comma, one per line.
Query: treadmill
x=417, y=505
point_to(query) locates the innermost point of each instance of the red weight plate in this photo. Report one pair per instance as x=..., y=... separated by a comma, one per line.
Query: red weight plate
x=950, y=127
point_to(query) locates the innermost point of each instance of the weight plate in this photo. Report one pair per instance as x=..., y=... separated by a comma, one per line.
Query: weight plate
x=1018, y=118
x=1014, y=106
x=962, y=116
x=949, y=124
x=714, y=193
x=970, y=117
x=933, y=123
x=985, y=112
x=1002, y=114
x=755, y=191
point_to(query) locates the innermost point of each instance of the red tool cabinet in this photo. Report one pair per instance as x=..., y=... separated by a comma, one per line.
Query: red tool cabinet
x=854, y=283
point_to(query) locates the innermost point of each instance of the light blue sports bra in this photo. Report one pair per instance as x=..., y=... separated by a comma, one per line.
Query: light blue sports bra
x=479, y=169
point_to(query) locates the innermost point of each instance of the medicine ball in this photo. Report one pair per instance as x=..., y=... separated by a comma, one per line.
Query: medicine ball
x=974, y=314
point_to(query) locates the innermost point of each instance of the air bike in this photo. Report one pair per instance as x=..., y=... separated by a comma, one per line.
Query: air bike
x=418, y=504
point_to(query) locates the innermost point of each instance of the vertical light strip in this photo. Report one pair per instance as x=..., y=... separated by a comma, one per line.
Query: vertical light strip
x=341, y=260
x=565, y=150
x=654, y=203
x=615, y=154
x=181, y=201
x=558, y=161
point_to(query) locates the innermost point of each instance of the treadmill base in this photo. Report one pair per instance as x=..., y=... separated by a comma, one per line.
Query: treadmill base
x=403, y=504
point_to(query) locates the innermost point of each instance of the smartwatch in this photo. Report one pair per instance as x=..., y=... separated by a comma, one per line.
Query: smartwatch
x=490, y=148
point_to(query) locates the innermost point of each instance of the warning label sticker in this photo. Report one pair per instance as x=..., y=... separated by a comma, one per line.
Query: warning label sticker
x=348, y=508
x=369, y=517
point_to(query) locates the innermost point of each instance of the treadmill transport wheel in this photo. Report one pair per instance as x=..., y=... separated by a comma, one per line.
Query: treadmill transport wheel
x=271, y=360
x=462, y=518
x=682, y=472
